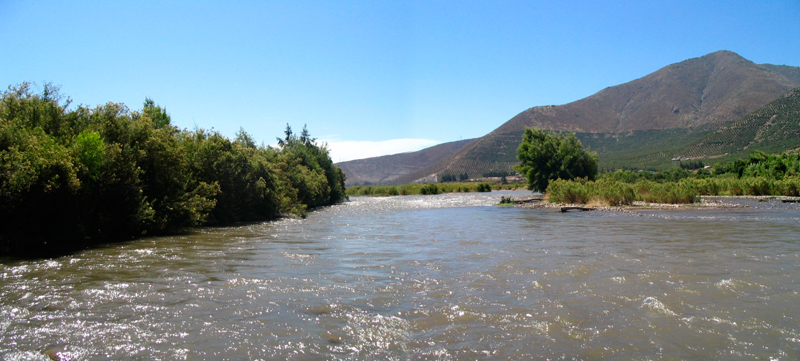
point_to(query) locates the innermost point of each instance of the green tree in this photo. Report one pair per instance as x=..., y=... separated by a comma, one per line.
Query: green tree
x=70, y=178
x=546, y=155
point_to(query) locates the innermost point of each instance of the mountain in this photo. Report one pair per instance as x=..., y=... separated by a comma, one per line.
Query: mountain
x=715, y=88
x=638, y=124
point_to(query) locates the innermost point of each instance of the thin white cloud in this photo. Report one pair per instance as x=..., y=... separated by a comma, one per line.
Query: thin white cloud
x=342, y=151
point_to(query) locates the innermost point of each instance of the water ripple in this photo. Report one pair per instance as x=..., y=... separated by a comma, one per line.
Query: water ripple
x=446, y=277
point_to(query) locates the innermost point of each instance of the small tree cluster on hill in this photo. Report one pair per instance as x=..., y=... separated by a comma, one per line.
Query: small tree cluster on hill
x=447, y=177
x=692, y=165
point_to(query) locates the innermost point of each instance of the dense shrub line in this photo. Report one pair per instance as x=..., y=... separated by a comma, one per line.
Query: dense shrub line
x=760, y=174
x=608, y=191
x=74, y=177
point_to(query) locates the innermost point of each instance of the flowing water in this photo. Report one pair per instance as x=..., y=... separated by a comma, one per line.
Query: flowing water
x=446, y=277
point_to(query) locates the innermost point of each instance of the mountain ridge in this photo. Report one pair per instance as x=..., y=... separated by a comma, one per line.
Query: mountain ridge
x=713, y=90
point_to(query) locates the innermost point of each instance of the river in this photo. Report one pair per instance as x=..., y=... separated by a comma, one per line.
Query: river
x=445, y=277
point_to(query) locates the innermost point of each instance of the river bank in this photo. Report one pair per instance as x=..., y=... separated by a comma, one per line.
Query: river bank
x=705, y=202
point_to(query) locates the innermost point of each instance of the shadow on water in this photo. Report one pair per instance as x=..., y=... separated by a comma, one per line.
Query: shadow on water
x=64, y=248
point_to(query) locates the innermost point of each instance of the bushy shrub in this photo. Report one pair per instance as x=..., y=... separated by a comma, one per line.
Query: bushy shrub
x=429, y=189
x=506, y=201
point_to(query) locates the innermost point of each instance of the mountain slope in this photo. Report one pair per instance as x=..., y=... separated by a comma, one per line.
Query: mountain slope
x=773, y=128
x=715, y=88
x=672, y=106
x=637, y=124
x=790, y=72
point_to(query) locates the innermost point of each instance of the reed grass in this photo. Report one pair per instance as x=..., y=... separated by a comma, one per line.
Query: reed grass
x=615, y=193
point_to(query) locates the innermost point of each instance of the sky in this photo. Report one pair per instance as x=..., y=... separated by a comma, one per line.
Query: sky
x=370, y=78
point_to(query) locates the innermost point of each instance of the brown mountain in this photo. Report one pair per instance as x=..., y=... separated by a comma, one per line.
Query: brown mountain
x=699, y=93
x=715, y=88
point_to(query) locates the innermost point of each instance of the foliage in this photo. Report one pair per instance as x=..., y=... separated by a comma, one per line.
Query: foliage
x=429, y=188
x=670, y=175
x=669, y=192
x=692, y=165
x=448, y=177
x=496, y=174
x=567, y=191
x=73, y=177
x=615, y=193
x=760, y=164
x=484, y=187
x=506, y=201
x=547, y=156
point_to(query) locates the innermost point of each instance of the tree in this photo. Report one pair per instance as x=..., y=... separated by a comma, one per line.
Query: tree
x=547, y=155
x=70, y=178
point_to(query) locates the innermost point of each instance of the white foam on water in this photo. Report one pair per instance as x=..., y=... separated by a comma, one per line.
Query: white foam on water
x=725, y=284
x=653, y=304
x=375, y=333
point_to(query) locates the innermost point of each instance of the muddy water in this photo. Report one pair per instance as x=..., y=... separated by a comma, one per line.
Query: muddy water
x=445, y=277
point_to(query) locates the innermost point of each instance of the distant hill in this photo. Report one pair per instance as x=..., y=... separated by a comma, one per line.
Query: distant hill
x=637, y=124
x=387, y=169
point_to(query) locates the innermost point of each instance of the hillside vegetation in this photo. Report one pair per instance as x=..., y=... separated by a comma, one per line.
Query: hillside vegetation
x=772, y=129
x=75, y=177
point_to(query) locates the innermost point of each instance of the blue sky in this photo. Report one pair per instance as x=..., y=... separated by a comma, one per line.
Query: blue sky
x=370, y=77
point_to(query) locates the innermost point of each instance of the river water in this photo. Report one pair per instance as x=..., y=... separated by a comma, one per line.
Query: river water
x=446, y=277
